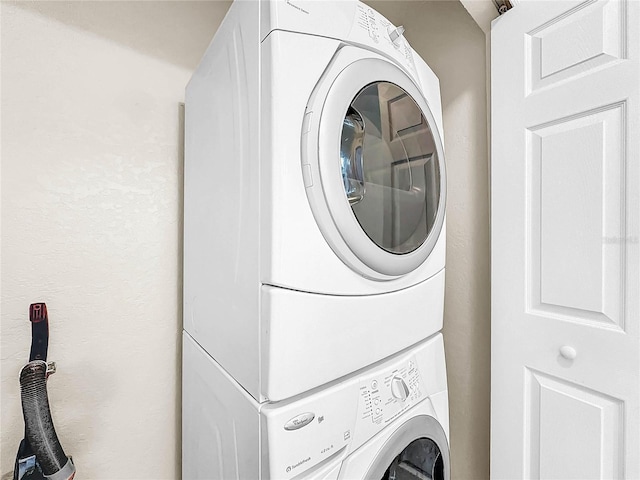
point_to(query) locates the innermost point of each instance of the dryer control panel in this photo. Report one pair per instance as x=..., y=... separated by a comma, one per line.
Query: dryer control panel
x=371, y=28
x=345, y=20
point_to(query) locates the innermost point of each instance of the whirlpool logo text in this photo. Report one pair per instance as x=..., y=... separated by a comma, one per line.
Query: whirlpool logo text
x=292, y=467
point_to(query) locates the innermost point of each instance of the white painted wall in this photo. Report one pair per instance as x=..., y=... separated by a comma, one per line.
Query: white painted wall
x=454, y=46
x=91, y=220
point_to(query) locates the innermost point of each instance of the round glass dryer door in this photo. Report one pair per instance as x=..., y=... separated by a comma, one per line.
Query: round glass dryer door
x=390, y=167
x=374, y=163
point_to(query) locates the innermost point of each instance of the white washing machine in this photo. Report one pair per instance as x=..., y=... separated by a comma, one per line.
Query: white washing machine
x=388, y=422
x=314, y=195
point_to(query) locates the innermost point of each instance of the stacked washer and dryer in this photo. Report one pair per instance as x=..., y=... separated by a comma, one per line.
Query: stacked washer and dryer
x=314, y=250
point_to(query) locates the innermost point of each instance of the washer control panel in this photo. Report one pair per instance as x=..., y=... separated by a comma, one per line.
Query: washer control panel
x=387, y=395
x=330, y=423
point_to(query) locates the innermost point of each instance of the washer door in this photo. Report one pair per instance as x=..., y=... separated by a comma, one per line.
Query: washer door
x=381, y=165
x=418, y=450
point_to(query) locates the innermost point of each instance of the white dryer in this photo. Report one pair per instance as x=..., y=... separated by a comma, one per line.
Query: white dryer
x=386, y=422
x=314, y=195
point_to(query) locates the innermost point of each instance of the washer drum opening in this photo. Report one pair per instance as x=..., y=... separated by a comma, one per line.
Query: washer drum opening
x=418, y=450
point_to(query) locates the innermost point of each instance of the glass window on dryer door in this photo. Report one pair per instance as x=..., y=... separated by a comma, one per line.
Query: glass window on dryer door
x=390, y=167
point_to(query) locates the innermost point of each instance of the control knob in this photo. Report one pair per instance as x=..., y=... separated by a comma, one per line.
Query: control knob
x=399, y=389
x=395, y=34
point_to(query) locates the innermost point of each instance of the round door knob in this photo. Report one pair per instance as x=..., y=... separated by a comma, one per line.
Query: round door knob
x=399, y=389
x=568, y=352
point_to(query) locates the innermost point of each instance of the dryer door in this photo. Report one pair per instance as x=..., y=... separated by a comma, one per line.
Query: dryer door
x=418, y=450
x=381, y=164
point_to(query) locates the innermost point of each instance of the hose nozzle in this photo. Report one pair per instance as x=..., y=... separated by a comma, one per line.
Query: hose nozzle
x=39, y=428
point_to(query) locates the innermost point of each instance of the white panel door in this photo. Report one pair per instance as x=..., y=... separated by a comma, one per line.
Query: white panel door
x=565, y=227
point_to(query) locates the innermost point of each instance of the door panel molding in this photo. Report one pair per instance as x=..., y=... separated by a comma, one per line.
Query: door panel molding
x=595, y=42
x=588, y=417
x=576, y=216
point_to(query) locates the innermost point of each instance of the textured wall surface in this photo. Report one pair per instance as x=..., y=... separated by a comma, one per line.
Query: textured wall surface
x=91, y=221
x=454, y=47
